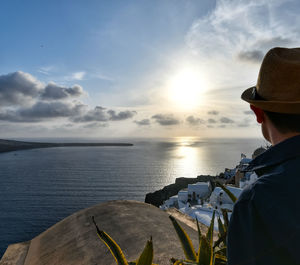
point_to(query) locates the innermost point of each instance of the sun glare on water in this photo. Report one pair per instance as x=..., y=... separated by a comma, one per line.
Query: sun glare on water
x=185, y=89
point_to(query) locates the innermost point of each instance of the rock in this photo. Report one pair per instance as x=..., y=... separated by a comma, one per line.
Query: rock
x=15, y=254
x=158, y=197
x=73, y=241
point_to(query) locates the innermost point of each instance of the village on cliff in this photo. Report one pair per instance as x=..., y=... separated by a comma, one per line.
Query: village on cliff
x=199, y=200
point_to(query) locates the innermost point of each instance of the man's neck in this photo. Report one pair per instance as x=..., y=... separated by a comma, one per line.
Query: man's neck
x=276, y=138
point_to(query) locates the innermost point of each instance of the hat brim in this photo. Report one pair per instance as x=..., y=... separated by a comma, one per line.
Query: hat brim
x=273, y=106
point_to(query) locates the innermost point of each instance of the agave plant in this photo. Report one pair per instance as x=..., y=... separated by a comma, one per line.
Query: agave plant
x=145, y=258
x=209, y=253
x=206, y=254
x=223, y=228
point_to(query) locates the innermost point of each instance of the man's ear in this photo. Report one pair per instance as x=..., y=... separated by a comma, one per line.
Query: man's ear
x=259, y=113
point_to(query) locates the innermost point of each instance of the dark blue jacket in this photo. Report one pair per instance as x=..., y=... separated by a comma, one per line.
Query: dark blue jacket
x=265, y=224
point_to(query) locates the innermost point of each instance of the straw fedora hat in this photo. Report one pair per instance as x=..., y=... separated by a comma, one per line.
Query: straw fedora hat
x=278, y=84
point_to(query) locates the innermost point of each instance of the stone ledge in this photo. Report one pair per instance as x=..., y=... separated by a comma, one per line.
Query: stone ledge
x=73, y=241
x=15, y=254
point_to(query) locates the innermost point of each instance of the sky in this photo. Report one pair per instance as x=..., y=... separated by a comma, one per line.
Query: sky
x=136, y=68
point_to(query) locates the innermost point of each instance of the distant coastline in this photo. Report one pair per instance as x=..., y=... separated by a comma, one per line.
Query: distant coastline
x=12, y=145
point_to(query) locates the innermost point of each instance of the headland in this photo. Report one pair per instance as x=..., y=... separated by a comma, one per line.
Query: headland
x=12, y=145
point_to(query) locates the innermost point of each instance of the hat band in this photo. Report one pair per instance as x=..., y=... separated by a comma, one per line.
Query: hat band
x=255, y=95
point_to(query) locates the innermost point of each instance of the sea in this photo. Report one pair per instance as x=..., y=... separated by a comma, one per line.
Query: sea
x=40, y=187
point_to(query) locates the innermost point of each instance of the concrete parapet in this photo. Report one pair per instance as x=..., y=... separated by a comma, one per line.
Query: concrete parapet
x=73, y=241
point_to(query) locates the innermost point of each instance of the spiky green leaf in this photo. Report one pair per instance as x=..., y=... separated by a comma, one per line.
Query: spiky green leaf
x=199, y=230
x=112, y=246
x=220, y=259
x=210, y=231
x=185, y=241
x=185, y=262
x=205, y=252
x=178, y=262
x=221, y=226
x=146, y=257
x=226, y=219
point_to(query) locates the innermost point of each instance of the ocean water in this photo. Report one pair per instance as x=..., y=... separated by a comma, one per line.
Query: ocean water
x=40, y=187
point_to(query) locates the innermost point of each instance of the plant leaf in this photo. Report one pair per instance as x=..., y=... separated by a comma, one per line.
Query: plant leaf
x=227, y=191
x=210, y=231
x=222, y=232
x=184, y=262
x=146, y=257
x=221, y=226
x=178, y=262
x=199, y=231
x=185, y=241
x=205, y=252
x=226, y=219
x=220, y=259
x=112, y=246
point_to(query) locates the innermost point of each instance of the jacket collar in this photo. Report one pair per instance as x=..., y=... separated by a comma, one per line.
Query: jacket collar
x=276, y=154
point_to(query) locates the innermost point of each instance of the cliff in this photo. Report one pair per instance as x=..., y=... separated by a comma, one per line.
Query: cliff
x=158, y=197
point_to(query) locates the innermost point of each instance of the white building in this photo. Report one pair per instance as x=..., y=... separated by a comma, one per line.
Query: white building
x=171, y=202
x=199, y=190
x=183, y=196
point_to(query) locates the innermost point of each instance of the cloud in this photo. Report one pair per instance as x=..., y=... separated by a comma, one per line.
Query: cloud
x=46, y=70
x=78, y=75
x=143, y=122
x=165, y=119
x=213, y=112
x=237, y=25
x=211, y=121
x=247, y=122
x=95, y=125
x=243, y=30
x=122, y=115
x=100, y=114
x=226, y=120
x=74, y=111
x=103, y=77
x=42, y=111
x=266, y=43
x=243, y=125
x=248, y=112
x=25, y=99
x=22, y=89
x=254, y=56
x=194, y=121
x=96, y=114
x=54, y=92
x=18, y=88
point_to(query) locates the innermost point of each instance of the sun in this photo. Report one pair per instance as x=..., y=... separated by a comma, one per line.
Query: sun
x=186, y=87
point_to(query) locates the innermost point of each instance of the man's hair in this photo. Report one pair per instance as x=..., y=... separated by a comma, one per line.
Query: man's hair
x=285, y=122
